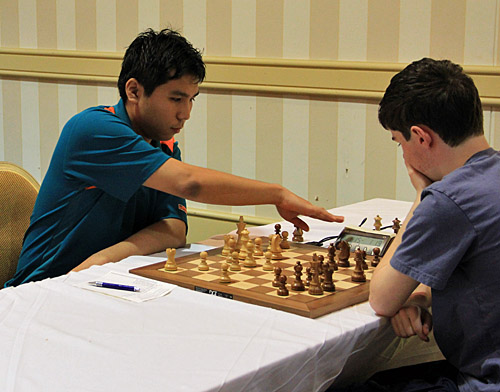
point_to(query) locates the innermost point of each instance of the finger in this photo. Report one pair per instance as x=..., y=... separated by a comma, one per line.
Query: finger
x=299, y=223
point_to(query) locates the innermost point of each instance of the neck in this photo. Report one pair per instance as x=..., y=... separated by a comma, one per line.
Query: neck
x=132, y=115
x=457, y=156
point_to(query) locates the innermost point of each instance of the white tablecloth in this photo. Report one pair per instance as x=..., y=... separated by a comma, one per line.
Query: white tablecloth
x=55, y=336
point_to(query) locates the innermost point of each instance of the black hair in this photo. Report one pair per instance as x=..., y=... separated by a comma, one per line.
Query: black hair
x=435, y=93
x=154, y=58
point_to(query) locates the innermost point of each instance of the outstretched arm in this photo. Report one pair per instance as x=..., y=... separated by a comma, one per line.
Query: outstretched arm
x=154, y=238
x=215, y=187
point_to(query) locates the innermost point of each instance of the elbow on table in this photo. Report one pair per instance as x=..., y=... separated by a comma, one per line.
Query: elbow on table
x=381, y=305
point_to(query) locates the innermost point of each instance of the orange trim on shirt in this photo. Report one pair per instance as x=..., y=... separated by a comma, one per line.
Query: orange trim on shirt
x=90, y=187
x=169, y=143
x=110, y=109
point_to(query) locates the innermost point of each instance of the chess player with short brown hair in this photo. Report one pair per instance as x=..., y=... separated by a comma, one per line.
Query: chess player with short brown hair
x=447, y=251
x=116, y=185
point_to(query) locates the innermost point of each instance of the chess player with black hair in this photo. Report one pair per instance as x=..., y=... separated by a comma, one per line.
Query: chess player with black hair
x=447, y=253
x=116, y=185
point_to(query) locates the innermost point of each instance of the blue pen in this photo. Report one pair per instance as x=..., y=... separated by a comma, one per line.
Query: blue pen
x=114, y=286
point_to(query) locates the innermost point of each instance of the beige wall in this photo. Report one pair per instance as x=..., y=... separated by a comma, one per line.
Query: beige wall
x=323, y=143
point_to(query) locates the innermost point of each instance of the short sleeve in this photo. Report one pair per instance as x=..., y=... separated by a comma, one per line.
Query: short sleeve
x=435, y=240
x=104, y=152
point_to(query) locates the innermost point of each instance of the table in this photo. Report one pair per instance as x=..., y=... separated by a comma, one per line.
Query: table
x=55, y=336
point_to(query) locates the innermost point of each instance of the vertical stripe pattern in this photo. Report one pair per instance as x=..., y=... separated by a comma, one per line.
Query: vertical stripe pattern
x=327, y=151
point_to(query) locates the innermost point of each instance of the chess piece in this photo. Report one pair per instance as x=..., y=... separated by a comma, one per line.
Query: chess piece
x=282, y=290
x=277, y=274
x=245, y=236
x=249, y=259
x=226, y=248
x=203, y=266
x=235, y=262
x=328, y=284
x=170, y=265
x=308, y=276
x=364, y=264
x=358, y=274
x=275, y=247
x=298, y=285
x=314, y=286
x=277, y=229
x=331, y=257
x=396, y=225
x=268, y=266
x=241, y=226
x=297, y=235
x=344, y=253
x=378, y=222
x=284, y=242
x=232, y=246
x=376, y=257
x=258, y=247
x=224, y=278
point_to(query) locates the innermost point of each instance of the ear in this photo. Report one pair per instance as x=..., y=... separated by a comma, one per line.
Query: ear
x=422, y=134
x=134, y=90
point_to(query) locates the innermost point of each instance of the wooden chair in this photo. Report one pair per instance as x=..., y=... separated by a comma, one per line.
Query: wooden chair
x=18, y=192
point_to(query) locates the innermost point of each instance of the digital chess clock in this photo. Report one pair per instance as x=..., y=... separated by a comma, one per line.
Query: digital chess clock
x=366, y=239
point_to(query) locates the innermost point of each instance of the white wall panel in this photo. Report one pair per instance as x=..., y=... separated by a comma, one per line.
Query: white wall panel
x=244, y=147
x=296, y=29
x=296, y=145
x=480, y=32
x=66, y=31
x=106, y=25
x=414, y=30
x=351, y=152
x=149, y=14
x=353, y=30
x=30, y=129
x=243, y=25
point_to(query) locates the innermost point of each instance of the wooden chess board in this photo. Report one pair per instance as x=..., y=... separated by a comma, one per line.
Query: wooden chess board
x=254, y=285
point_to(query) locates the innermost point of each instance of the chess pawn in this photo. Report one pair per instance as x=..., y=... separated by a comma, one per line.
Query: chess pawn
x=258, y=247
x=298, y=285
x=231, y=245
x=224, y=278
x=277, y=229
x=358, y=274
x=203, y=263
x=378, y=223
x=331, y=257
x=268, y=266
x=282, y=290
x=226, y=249
x=170, y=265
x=297, y=235
x=376, y=257
x=249, y=260
x=364, y=264
x=284, y=242
x=235, y=262
x=308, y=276
x=277, y=274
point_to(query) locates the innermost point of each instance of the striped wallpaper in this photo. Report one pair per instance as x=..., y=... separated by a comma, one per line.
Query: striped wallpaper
x=329, y=151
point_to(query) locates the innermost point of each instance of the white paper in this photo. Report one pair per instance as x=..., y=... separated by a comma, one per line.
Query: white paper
x=149, y=289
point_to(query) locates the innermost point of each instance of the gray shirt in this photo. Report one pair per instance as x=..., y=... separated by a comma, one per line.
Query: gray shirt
x=452, y=244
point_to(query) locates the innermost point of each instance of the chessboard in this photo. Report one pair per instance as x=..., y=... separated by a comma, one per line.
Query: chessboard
x=255, y=285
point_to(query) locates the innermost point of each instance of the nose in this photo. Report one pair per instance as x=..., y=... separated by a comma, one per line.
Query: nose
x=185, y=111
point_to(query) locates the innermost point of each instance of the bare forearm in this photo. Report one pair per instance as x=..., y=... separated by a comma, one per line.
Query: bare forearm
x=154, y=238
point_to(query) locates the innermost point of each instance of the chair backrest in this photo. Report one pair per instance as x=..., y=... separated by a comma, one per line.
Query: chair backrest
x=18, y=192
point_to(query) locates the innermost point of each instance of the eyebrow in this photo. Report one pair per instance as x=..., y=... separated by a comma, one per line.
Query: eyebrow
x=183, y=94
